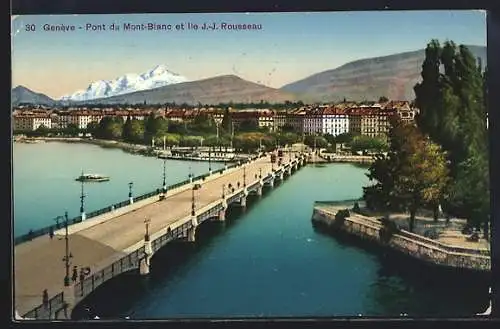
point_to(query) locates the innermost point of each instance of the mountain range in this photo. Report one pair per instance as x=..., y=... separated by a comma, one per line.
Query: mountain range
x=393, y=76
x=159, y=76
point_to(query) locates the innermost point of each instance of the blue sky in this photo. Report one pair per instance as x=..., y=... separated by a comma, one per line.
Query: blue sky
x=289, y=47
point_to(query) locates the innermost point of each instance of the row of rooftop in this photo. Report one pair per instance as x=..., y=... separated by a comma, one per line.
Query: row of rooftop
x=312, y=110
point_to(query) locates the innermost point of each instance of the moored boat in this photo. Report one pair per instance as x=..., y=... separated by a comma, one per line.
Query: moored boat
x=92, y=178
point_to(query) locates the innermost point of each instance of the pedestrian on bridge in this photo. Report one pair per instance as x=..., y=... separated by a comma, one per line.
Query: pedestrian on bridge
x=51, y=232
x=75, y=274
x=82, y=275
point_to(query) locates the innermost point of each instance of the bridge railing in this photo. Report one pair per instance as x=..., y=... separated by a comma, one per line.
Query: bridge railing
x=55, y=304
x=124, y=264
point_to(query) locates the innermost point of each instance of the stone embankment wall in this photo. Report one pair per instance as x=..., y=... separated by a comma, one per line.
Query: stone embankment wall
x=411, y=244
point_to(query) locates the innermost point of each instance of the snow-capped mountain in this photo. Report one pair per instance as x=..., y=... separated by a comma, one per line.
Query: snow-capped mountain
x=159, y=76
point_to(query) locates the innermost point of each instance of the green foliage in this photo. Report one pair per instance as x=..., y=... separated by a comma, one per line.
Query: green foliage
x=414, y=172
x=190, y=141
x=318, y=141
x=250, y=142
x=345, y=138
x=227, y=122
x=203, y=123
x=172, y=139
x=356, y=208
x=92, y=127
x=110, y=128
x=383, y=99
x=286, y=138
x=248, y=125
x=71, y=130
x=366, y=143
x=453, y=113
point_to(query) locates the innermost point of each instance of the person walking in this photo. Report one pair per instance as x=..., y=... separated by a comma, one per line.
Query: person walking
x=51, y=232
x=75, y=274
x=82, y=275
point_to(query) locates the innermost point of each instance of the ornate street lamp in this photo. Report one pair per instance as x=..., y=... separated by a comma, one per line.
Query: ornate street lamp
x=193, y=206
x=164, y=176
x=209, y=160
x=244, y=176
x=223, y=190
x=82, y=198
x=146, y=222
x=130, y=185
x=260, y=172
x=67, y=257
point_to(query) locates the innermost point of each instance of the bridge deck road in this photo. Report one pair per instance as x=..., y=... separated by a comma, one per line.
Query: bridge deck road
x=38, y=264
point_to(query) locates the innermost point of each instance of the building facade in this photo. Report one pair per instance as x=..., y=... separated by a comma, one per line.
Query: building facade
x=334, y=121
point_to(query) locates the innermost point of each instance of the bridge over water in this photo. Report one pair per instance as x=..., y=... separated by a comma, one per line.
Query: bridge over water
x=125, y=239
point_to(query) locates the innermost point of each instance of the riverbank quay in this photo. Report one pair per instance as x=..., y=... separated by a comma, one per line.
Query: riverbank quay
x=461, y=254
x=145, y=150
x=133, y=148
x=334, y=158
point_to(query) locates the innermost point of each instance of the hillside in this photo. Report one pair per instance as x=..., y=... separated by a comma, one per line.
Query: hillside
x=222, y=89
x=22, y=95
x=392, y=76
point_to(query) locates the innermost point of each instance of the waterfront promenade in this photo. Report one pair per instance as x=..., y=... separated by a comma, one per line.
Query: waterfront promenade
x=98, y=242
x=459, y=254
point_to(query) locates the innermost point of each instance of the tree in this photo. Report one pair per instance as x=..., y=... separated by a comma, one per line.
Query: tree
x=71, y=129
x=383, y=99
x=155, y=128
x=109, y=128
x=288, y=128
x=190, y=141
x=203, y=123
x=318, y=141
x=344, y=138
x=453, y=113
x=473, y=180
x=172, y=139
x=227, y=122
x=414, y=172
x=92, y=127
x=41, y=130
x=248, y=125
x=136, y=133
x=366, y=143
x=127, y=129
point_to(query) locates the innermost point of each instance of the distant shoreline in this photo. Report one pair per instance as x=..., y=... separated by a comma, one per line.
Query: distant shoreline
x=131, y=148
x=127, y=147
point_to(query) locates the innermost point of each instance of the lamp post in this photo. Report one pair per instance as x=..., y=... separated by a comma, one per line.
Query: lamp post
x=193, y=206
x=130, y=185
x=223, y=190
x=209, y=160
x=260, y=172
x=146, y=222
x=164, y=176
x=244, y=176
x=82, y=198
x=67, y=257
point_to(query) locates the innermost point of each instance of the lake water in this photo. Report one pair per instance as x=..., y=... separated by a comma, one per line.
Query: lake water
x=268, y=261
